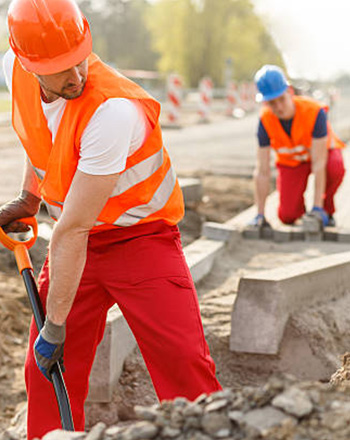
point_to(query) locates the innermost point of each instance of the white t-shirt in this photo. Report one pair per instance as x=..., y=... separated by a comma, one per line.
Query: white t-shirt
x=115, y=131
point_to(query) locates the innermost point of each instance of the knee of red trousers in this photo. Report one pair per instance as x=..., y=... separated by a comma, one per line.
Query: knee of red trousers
x=335, y=175
x=287, y=217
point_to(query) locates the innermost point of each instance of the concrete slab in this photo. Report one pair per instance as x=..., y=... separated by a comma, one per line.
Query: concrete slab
x=192, y=190
x=117, y=343
x=265, y=300
x=220, y=232
x=200, y=256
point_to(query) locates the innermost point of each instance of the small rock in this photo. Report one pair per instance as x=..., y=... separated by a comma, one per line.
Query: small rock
x=200, y=399
x=263, y=419
x=96, y=432
x=294, y=401
x=216, y=425
x=145, y=413
x=113, y=431
x=191, y=423
x=236, y=416
x=141, y=430
x=58, y=434
x=216, y=405
x=168, y=432
x=193, y=410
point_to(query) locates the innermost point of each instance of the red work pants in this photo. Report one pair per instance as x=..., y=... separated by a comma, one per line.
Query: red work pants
x=292, y=182
x=143, y=269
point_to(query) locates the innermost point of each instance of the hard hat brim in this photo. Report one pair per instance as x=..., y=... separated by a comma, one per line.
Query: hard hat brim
x=61, y=63
x=269, y=97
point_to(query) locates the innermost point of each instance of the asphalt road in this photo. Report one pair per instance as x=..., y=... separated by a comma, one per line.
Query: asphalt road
x=226, y=146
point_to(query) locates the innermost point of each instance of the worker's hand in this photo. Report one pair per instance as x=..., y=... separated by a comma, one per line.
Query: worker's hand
x=259, y=221
x=48, y=347
x=321, y=214
x=25, y=205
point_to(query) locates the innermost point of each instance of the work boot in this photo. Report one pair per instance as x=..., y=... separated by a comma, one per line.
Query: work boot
x=331, y=221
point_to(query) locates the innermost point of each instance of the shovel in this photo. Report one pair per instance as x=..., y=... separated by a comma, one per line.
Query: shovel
x=20, y=249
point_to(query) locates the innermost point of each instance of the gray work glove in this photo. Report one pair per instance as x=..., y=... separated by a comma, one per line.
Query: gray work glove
x=25, y=205
x=48, y=347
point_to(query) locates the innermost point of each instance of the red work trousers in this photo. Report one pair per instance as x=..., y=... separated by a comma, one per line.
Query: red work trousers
x=292, y=182
x=141, y=268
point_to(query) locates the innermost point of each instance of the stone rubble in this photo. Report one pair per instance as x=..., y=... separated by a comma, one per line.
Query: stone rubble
x=283, y=409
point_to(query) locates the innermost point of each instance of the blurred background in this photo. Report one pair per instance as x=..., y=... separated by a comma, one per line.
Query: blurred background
x=226, y=40
x=175, y=44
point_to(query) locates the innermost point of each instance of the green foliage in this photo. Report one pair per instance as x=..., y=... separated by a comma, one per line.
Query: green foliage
x=119, y=32
x=197, y=37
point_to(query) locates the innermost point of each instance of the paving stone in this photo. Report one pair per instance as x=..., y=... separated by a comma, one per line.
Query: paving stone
x=267, y=299
x=220, y=232
x=200, y=256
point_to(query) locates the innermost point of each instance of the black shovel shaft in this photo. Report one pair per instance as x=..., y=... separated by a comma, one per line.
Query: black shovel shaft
x=56, y=373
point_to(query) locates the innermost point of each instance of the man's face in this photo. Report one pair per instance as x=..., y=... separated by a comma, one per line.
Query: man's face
x=68, y=84
x=283, y=106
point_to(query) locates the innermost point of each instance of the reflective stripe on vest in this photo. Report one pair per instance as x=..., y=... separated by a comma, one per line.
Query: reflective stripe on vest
x=132, y=176
x=138, y=173
x=39, y=173
x=299, y=152
x=134, y=215
x=159, y=200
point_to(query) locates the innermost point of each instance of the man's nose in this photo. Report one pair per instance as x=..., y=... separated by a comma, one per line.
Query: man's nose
x=75, y=75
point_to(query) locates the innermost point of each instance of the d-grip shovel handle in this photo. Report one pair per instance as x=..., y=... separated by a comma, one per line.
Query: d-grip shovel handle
x=20, y=249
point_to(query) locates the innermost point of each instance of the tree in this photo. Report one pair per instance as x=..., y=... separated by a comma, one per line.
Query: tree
x=119, y=32
x=196, y=37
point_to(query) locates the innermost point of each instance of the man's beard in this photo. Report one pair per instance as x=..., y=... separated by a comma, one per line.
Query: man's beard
x=72, y=95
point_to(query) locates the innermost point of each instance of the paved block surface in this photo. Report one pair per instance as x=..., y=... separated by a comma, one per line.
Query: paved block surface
x=283, y=233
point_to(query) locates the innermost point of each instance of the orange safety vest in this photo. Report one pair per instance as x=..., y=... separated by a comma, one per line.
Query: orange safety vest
x=294, y=149
x=147, y=190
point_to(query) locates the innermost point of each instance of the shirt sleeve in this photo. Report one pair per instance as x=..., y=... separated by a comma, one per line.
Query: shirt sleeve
x=114, y=128
x=263, y=137
x=320, y=127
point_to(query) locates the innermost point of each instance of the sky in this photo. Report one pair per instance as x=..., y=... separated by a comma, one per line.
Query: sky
x=313, y=35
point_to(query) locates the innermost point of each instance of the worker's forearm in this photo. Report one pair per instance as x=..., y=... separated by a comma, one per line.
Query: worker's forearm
x=67, y=256
x=262, y=189
x=319, y=171
x=320, y=185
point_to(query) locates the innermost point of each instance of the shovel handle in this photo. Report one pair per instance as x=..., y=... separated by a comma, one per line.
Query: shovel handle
x=11, y=243
x=20, y=248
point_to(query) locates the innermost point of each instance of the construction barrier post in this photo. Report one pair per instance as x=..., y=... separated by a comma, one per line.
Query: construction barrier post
x=205, y=95
x=232, y=98
x=174, y=97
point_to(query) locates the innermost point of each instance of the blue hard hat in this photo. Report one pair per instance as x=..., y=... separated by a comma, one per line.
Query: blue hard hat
x=271, y=82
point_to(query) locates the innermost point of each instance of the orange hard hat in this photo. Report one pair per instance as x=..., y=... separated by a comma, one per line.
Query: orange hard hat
x=48, y=36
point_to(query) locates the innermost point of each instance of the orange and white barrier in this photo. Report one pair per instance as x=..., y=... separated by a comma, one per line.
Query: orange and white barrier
x=206, y=95
x=232, y=98
x=244, y=96
x=174, y=97
x=247, y=95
